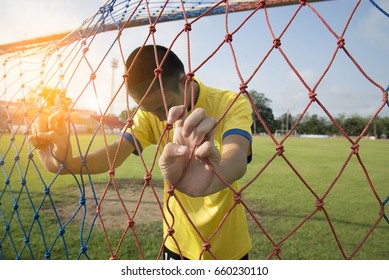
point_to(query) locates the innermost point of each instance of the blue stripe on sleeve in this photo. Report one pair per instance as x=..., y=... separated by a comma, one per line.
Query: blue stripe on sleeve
x=244, y=134
x=129, y=137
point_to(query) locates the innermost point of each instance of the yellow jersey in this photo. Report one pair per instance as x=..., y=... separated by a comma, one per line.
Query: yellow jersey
x=215, y=222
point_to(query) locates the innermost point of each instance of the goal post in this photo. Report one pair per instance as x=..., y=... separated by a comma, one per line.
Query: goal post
x=193, y=9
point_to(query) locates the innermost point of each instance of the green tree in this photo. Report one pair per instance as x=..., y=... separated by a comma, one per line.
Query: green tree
x=51, y=97
x=262, y=105
x=123, y=116
x=354, y=125
x=382, y=127
x=379, y=127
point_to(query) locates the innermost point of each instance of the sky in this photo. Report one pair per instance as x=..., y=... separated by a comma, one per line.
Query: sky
x=307, y=43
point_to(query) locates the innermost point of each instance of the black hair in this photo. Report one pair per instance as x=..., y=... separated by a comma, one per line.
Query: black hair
x=141, y=66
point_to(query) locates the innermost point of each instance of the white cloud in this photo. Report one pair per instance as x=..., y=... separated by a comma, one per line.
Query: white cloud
x=373, y=26
x=24, y=19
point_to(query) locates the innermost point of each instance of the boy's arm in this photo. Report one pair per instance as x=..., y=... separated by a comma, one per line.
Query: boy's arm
x=233, y=163
x=97, y=161
x=52, y=142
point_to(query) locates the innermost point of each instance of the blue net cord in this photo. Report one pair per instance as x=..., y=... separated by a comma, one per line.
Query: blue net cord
x=387, y=90
x=379, y=8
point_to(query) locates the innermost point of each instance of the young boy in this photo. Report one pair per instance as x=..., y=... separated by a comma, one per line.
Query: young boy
x=207, y=152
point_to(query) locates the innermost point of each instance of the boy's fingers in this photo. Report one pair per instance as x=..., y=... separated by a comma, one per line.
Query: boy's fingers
x=55, y=119
x=39, y=125
x=204, y=130
x=46, y=136
x=208, y=150
x=177, y=115
x=170, y=153
x=199, y=124
x=35, y=142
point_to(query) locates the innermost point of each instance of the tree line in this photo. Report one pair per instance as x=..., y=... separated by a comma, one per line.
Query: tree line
x=309, y=124
x=314, y=124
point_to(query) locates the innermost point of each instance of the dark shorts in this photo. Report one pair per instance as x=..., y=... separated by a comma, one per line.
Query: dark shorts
x=169, y=255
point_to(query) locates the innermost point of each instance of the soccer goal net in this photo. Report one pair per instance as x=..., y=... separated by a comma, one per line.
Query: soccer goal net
x=302, y=198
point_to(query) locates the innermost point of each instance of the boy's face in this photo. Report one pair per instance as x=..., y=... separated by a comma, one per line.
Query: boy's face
x=153, y=103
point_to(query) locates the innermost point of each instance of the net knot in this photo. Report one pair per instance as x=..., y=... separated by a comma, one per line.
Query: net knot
x=147, y=178
x=188, y=27
x=158, y=71
x=130, y=122
x=169, y=126
x=170, y=190
x=303, y=2
x=228, y=38
x=93, y=76
x=82, y=201
x=84, y=249
x=280, y=149
x=206, y=246
x=47, y=255
x=243, y=88
x=238, y=197
x=125, y=76
x=170, y=231
x=382, y=210
x=312, y=96
x=189, y=76
x=262, y=4
x=319, y=204
x=355, y=148
x=131, y=223
x=113, y=257
x=111, y=172
x=152, y=29
x=277, y=43
x=341, y=42
x=276, y=250
x=85, y=50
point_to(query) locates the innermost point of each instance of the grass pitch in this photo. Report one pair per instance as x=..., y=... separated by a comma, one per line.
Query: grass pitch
x=282, y=193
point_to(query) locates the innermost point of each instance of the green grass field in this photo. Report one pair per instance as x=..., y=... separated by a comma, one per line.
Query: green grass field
x=34, y=221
